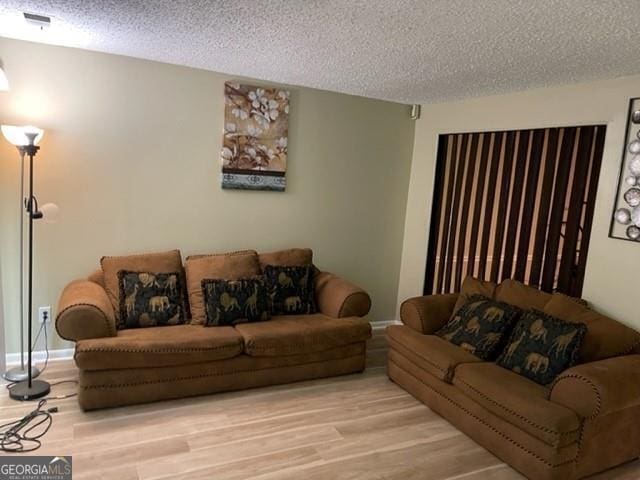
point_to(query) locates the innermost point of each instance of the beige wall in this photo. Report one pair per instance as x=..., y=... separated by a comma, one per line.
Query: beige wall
x=130, y=155
x=611, y=281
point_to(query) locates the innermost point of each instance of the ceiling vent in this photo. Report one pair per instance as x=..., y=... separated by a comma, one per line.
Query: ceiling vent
x=39, y=21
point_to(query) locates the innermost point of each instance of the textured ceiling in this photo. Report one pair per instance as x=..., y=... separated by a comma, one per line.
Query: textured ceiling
x=408, y=51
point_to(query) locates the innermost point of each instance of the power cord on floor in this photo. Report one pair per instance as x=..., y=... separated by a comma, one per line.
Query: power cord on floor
x=43, y=329
x=24, y=435
x=62, y=397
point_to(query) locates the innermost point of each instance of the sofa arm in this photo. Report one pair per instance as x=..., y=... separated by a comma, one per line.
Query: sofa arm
x=429, y=313
x=338, y=298
x=598, y=388
x=85, y=312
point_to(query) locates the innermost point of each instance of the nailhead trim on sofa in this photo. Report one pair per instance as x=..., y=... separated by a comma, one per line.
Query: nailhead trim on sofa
x=160, y=350
x=291, y=346
x=506, y=437
x=446, y=371
x=524, y=419
x=110, y=327
x=594, y=387
x=204, y=375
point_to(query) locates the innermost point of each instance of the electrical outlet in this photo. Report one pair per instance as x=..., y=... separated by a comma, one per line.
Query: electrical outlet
x=44, y=314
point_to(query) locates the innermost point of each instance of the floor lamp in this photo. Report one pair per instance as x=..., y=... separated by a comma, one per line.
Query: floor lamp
x=25, y=139
x=15, y=135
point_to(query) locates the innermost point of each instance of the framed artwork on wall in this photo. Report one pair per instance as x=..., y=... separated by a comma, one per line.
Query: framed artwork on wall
x=625, y=221
x=254, y=148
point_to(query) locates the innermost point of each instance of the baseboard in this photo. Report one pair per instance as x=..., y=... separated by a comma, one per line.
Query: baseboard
x=382, y=324
x=40, y=356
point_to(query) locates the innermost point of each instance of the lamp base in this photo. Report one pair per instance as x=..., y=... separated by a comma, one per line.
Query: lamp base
x=22, y=391
x=19, y=374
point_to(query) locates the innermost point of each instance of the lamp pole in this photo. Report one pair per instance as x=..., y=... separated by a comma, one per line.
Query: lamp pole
x=18, y=374
x=21, y=262
x=30, y=389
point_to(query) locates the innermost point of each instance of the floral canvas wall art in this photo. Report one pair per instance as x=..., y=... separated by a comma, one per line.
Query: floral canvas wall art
x=254, y=150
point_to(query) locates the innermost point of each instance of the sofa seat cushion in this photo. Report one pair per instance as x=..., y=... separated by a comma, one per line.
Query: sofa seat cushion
x=299, y=334
x=519, y=401
x=429, y=352
x=158, y=347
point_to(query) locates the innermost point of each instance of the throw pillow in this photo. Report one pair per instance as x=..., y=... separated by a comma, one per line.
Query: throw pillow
x=150, y=299
x=480, y=326
x=291, y=289
x=541, y=347
x=224, y=266
x=229, y=302
x=162, y=262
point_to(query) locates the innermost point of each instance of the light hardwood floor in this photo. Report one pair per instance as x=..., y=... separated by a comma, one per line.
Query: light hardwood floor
x=353, y=427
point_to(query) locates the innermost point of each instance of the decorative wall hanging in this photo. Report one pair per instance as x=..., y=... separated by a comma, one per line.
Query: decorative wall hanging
x=254, y=150
x=514, y=204
x=625, y=223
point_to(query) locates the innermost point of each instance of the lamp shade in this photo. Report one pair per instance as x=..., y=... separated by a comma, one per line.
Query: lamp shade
x=4, y=81
x=50, y=212
x=17, y=135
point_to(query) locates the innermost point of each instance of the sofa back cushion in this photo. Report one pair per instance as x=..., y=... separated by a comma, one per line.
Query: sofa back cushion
x=292, y=257
x=223, y=266
x=161, y=262
x=473, y=286
x=521, y=295
x=605, y=336
x=97, y=277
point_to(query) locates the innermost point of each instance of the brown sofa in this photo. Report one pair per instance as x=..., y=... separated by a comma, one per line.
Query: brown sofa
x=122, y=367
x=586, y=421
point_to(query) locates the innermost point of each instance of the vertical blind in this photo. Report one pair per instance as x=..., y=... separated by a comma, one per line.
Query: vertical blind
x=514, y=204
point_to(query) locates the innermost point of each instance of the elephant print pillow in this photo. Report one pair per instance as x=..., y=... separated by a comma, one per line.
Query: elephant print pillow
x=480, y=326
x=229, y=302
x=541, y=347
x=150, y=299
x=291, y=289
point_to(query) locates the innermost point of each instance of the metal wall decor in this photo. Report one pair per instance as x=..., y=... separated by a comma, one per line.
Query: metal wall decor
x=625, y=222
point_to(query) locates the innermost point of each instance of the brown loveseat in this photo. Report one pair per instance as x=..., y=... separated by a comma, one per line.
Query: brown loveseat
x=121, y=367
x=586, y=421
